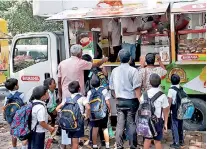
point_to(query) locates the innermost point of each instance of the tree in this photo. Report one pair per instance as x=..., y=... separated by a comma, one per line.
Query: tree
x=19, y=15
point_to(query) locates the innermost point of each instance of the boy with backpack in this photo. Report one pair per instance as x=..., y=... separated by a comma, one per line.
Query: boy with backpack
x=52, y=102
x=98, y=98
x=39, y=123
x=73, y=121
x=153, y=108
x=13, y=102
x=181, y=108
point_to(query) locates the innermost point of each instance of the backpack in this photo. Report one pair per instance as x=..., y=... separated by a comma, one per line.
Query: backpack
x=98, y=104
x=95, y=72
x=145, y=117
x=13, y=103
x=21, y=124
x=184, y=106
x=70, y=117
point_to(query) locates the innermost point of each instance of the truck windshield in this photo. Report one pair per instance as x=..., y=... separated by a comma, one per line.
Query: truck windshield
x=29, y=51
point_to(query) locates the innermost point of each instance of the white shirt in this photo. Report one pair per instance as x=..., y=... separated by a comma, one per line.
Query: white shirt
x=172, y=93
x=131, y=26
x=39, y=113
x=124, y=80
x=105, y=92
x=115, y=28
x=21, y=96
x=81, y=102
x=161, y=102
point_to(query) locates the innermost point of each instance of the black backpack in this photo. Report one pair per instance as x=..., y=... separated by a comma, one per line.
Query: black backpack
x=70, y=117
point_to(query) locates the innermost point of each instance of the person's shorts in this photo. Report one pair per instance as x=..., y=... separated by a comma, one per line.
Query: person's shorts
x=100, y=123
x=159, y=128
x=76, y=134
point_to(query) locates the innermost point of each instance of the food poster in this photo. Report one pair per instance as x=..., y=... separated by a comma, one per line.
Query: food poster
x=4, y=54
x=85, y=39
x=193, y=78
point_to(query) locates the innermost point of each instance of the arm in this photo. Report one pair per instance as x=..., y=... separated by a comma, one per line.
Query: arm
x=59, y=89
x=88, y=110
x=109, y=106
x=166, y=114
x=160, y=62
x=110, y=38
x=59, y=107
x=99, y=63
x=104, y=71
x=125, y=33
x=46, y=126
x=138, y=93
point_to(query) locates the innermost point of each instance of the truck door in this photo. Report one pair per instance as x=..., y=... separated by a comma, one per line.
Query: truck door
x=33, y=58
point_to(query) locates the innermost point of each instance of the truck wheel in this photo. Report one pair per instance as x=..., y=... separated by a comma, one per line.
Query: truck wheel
x=198, y=120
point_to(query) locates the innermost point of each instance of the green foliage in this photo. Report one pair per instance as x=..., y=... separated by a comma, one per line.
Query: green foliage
x=19, y=15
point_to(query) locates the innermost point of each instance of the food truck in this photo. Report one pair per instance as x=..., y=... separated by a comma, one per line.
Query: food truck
x=169, y=29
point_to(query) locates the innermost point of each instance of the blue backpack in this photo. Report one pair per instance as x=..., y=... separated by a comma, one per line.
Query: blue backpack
x=21, y=124
x=70, y=117
x=13, y=103
x=184, y=107
x=98, y=104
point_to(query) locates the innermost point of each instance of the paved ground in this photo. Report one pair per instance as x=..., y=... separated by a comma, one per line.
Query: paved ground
x=193, y=140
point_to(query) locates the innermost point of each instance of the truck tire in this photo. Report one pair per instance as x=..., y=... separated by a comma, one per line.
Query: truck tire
x=198, y=120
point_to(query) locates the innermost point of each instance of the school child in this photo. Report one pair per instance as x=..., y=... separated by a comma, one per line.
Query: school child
x=177, y=125
x=161, y=110
x=78, y=113
x=17, y=97
x=99, y=97
x=39, y=123
x=52, y=102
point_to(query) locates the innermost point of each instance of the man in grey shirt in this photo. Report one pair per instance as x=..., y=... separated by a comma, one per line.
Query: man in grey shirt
x=125, y=84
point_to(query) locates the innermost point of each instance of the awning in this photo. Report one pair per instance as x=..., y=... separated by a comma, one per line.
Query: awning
x=188, y=7
x=4, y=36
x=101, y=11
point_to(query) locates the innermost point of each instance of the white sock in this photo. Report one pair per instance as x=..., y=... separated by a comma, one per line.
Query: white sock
x=24, y=147
x=95, y=146
x=107, y=144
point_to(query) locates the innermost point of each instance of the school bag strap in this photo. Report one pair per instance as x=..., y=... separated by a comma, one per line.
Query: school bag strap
x=11, y=96
x=155, y=97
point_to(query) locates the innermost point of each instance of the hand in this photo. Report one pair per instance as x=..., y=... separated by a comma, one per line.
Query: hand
x=52, y=129
x=142, y=61
x=158, y=58
x=111, y=50
x=165, y=129
x=105, y=59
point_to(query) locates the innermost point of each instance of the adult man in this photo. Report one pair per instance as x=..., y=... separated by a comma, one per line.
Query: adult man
x=72, y=69
x=114, y=35
x=130, y=29
x=125, y=84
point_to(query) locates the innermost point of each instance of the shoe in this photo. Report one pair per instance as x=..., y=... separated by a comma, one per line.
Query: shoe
x=182, y=143
x=176, y=146
x=103, y=143
x=81, y=143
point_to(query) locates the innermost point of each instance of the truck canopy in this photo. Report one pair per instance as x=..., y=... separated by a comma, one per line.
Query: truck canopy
x=98, y=10
x=189, y=7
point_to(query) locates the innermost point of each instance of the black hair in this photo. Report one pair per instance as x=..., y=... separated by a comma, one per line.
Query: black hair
x=74, y=87
x=47, y=82
x=150, y=59
x=175, y=79
x=38, y=92
x=11, y=83
x=155, y=80
x=95, y=81
x=87, y=58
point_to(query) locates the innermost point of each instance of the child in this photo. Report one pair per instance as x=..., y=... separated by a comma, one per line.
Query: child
x=99, y=124
x=12, y=85
x=161, y=107
x=39, y=118
x=177, y=125
x=52, y=103
x=74, y=89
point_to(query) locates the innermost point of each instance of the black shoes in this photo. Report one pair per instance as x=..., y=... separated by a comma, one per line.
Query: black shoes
x=176, y=146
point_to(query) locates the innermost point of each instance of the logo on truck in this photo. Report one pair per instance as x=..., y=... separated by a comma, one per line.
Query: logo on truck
x=30, y=78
